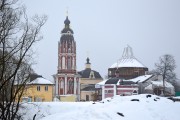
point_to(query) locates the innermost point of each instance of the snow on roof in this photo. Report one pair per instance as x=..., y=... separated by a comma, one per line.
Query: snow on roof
x=127, y=60
x=98, y=85
x=149, y=87
x=159, y=83
x=102, y=82
x=40, y=80
x=140, y=78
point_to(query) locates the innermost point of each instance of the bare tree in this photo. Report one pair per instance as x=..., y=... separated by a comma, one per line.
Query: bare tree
x=17, y=36
x=166, y=67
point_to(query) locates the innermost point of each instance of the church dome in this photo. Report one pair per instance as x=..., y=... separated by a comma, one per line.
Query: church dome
x=67, y=28
x=88, y=73
x=67, y=21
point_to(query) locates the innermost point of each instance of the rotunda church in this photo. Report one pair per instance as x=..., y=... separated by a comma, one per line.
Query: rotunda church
x=127, y=67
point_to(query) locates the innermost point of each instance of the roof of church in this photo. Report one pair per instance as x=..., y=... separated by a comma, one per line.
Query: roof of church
x=128, y=60
x=112, y=81
x=141, y=78
x=159, y=83
x=89, y=88
x=118, y=81
x=86, y=73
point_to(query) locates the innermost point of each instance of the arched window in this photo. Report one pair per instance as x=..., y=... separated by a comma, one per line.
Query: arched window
x=71, y=87
x=69, y=50
x=62, y=84
x=69, y=63
x=72, y=47
x=61, y=87
x=59, y=63
x=63, y=62
x=73, y=64
x=91, y=74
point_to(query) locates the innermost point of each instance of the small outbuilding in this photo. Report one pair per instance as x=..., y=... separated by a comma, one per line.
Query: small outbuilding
x=156, y=87
x=117, y=86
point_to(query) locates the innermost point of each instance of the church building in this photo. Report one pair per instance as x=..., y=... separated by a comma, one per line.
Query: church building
x=89, y=78
x=67, y=87
x=127, y=67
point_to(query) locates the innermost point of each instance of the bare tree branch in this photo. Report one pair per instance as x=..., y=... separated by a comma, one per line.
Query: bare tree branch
x=166, y=67
x=17, y=36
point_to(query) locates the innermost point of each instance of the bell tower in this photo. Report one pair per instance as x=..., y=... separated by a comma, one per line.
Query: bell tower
x=67, y=79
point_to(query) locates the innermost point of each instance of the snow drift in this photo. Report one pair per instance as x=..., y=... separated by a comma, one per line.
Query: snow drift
x=136, y=107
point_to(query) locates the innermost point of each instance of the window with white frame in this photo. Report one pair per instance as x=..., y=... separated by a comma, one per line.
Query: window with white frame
x=38, y=88
x=46, y=88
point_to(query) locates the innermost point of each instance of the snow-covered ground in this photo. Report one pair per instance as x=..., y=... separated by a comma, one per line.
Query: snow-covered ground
x=117, y=108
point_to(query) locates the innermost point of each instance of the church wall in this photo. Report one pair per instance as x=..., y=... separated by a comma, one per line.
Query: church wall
x=89, y=81
x=126, y=73
x=89, y=93
x=70, y=98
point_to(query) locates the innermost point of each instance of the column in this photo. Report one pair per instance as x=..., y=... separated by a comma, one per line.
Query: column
x=65, y=84
x=103, y=93
x=56, y=85
x=75, y=85
x=115, y=89
x=79, y=87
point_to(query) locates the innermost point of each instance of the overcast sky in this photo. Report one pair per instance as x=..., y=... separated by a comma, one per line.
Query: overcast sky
x=105, y=27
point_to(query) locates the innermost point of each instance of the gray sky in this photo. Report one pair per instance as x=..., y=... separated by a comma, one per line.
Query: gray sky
x=105, y=27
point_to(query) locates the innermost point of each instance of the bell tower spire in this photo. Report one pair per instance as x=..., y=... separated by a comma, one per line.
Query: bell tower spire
x=88, y=64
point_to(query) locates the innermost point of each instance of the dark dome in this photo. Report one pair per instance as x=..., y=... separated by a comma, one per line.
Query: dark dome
x=67, y=38
x=67, y=27
x=67, y=21
x=65, y=30
x=86, y=73
x=112, y=81
x=120, y=80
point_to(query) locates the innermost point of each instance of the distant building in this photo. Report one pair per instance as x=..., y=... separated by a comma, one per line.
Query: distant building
x=117, y=86
x=88, y=80
x=38, y=90
x=127, y=67
x=67, y=80
x=156, y=87
x=142, y=82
